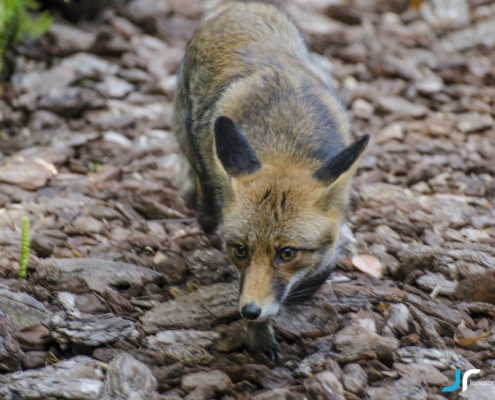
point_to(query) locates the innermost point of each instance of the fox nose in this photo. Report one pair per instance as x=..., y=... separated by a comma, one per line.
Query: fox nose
x=250, y=312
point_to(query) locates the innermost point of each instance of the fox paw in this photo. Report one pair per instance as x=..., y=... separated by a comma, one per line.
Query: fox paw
x=262, y=340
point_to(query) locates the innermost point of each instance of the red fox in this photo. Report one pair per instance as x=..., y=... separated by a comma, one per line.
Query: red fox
x=266, y=149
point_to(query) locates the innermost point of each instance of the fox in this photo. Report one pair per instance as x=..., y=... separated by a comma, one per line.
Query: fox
x=266, y=149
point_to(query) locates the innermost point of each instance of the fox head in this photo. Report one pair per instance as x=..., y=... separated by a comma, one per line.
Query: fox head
x=281, y=221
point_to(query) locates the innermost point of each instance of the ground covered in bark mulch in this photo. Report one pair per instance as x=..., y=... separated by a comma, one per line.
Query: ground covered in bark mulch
x=127, y=298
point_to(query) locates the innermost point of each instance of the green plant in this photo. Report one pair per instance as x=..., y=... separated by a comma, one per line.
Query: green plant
x=16, y=21
x=25, y=247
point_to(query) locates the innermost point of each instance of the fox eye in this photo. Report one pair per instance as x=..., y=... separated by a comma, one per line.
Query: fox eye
x=240, y=252
x=288, y=253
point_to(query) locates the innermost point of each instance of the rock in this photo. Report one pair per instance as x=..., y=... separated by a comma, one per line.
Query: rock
x=210, y=266
x=42, y=119
x=89, y=303
x=95, y=330
x=278, y=394
x=474, y=121
x=478, y=287
x=441, y=359
x=172, y=265
x=114, y=87
x=276, y=378
x=22, y=309
x=68, y=39
x=390, y=132
x=362, y=109
x=36, y=338
x=422, y=372
x=203, y=307
x=481, y=33
x=399, y=319
x=128, y=379
x=401, y=106
x=147, y=11
x=43, y=242
x=318, y=318
x=355, y=341
x=218, y=379
x=404, y=388
x=35, y=359
x=10, y=351
x=54, y=81
x=72, y=102
x=324, y=385
x=88, y=225
x=28, y=174
x=106, y=119
x=427, y=328
x=437, y=282
x=108, y=42
x=430, y=85
x=77, y=378
x=189, y=346
x=354, y=378
x=307, y=365
x=477, y=392
x=381, y=192
x=78, y=275
x=201, y=393
x=445, y=15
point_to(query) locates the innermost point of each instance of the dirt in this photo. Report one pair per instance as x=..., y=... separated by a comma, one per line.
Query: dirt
x=126, y=296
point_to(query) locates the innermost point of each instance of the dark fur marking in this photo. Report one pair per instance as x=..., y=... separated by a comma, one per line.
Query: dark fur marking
x=339, y=164
x=284, y=199
x=233, y=149
x=265, y=196
x=278, y=288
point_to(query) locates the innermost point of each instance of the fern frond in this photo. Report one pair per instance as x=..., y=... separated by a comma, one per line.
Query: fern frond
x=25, y=247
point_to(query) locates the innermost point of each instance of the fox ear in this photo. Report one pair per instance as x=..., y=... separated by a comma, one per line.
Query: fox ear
x=233, y=150
x=344, y=163
x=337, y=172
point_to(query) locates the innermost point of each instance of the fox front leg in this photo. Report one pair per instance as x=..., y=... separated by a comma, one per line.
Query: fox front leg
x=261, y=339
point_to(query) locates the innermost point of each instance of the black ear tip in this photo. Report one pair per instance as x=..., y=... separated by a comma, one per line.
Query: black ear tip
x=223, y=121
x=365, y=139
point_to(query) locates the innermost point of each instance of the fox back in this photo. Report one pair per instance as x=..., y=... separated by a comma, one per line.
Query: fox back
x=267, y=149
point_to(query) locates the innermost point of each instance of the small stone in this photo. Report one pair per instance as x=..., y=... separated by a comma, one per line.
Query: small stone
x=95, y=330
x=399, y=105
x=68, y=39
x=88, y=225
x=10, y=352
x=404, y=388
x=478, y=392
x=422, y=372
x=474, y=121
x=392, y=131
x=89, y=303
x=362, y=109
x=399, y=319
x=325, y=385
x=23, y=310
x=445, y=15
x=34, y=339
x=354, y=378
x=28, y=174
x=35, y=359
x=215, y=378
x=117, y=138
x=128, y=378
x=114, y=87
x=354, y=341
x=429, y=85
